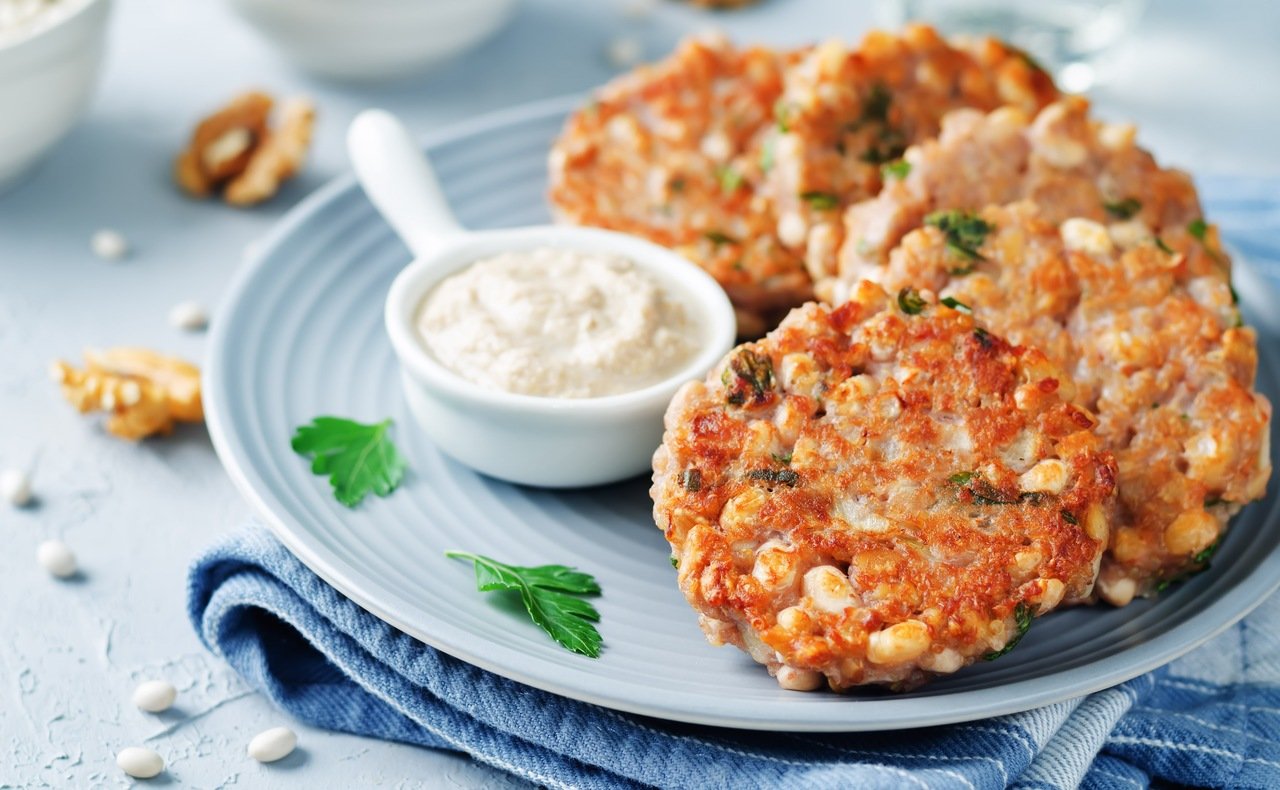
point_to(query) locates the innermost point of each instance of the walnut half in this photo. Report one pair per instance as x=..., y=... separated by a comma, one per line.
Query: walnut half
x=144, y=393
x=236, y=150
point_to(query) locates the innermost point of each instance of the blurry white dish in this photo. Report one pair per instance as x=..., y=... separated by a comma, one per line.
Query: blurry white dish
x=543, y=441
x=374, y=39
x=48, y=69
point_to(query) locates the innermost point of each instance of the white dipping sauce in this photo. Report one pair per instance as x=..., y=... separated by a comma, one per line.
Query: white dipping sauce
x=557, y=323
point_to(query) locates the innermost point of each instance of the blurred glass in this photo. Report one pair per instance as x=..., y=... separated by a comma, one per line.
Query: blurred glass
x=1074, y=39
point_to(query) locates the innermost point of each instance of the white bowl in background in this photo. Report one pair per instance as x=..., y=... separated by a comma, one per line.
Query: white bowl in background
x=46, y=81
x=374, y=39
x=540, y=441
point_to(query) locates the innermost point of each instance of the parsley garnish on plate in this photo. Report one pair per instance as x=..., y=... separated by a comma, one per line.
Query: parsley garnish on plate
x=359, y=459
x=547, y=592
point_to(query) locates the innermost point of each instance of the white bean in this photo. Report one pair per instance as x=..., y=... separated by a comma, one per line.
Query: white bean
x=139, y=762
x=273, y=744
x=15, y=487
x=190, y=316
x=154, y=696
x=56, y=558
x=109, y=245
x=624, y=52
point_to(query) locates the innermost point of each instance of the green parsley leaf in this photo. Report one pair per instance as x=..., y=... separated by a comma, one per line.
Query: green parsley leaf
x=876, y=107
x=1205, y=554
x=984, y=337
x=782, y=114
x=718, y=237
x=785, y=460
x=677, y=184
x=1198, y=229
x=1070, y=518
x=1022, y=616
x=766, y=155
x=675, y=562
x=956, y=304
x=877, y=155
x=820, y=201
x=756, y=370
x=547, y=594
x=1165, y=248
x=785, y=477
x=1123, y=209
x=982, y=491
x=359, y=459
x=729, y=179
x=965, y=233
x=898, y=168
x=910, y=301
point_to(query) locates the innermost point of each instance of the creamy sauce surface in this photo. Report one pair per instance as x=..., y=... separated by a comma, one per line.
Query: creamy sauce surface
x=557, y=323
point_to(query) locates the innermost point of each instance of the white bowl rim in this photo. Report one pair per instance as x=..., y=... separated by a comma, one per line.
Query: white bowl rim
x=45, y=31
x=716, y=314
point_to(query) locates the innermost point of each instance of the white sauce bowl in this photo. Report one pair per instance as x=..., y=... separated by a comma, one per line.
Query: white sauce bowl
x=46, y=81
x=373, y=39
x=549, y=442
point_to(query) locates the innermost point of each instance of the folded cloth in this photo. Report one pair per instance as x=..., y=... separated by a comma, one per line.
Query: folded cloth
x=1211, y=718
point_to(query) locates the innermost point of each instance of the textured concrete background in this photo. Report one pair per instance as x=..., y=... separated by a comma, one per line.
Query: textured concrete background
x=1202, y=86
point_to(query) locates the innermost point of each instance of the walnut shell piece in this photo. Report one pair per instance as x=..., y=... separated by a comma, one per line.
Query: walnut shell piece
x=277, y=158
x=144, y=393
x=236, y=150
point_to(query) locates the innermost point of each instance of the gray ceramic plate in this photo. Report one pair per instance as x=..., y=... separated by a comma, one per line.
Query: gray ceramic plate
x=301, y=335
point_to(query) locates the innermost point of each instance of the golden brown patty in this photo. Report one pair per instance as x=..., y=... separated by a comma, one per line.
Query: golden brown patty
x=1067, y=163
x=1154, y=343
x=847, y=113
x=879, y=492
x=672, y=152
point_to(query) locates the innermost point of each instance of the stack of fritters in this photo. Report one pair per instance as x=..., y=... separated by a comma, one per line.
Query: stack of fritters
x=1156, y=351
x=732, y=156
x=1050, y=401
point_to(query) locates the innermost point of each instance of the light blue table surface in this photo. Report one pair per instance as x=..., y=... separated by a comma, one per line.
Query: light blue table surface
x=1204, y=85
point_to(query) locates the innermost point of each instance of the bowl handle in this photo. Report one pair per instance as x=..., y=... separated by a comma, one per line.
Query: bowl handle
x=400, y=182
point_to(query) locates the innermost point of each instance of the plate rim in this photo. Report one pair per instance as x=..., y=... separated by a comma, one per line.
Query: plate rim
x=924, y=711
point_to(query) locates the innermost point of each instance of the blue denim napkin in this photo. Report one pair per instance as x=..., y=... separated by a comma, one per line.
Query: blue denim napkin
x=1211, y=718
